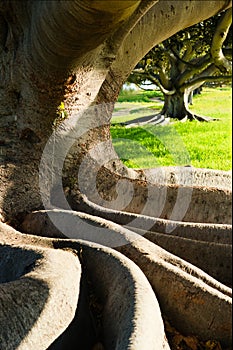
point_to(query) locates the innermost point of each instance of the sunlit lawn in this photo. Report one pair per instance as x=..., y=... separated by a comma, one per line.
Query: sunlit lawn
x=203, y=145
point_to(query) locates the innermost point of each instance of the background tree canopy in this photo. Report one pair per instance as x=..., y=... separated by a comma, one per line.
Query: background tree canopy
x=185, y=61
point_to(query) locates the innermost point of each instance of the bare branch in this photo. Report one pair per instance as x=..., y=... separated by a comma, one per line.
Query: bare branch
x=157, y=81
x=220, y=61
x=118, y=36
x=201, y=80
x=182, y=17
x=184, y=59
x=204, y=64
x=207, y=75
x=63, y=39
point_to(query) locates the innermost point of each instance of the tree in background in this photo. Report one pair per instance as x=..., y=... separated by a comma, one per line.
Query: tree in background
x=184, y=62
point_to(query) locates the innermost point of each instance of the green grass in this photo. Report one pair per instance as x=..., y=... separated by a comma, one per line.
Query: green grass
x=138, y=95
x=202, y=145
x=133, y=104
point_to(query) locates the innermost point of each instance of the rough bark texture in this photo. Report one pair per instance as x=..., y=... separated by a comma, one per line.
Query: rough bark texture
x=59, y=80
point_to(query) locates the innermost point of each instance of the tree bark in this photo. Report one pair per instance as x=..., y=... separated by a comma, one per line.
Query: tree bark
x=35, y=80
x=176, y=106
x=30, y=95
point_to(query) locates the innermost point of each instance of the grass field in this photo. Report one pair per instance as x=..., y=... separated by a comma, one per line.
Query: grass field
x=202, y=145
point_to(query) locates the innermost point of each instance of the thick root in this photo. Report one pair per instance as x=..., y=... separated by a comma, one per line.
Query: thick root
x=186, y=277
x=219, y=233
x=188, y=175
x=35, y=310
x=195, y=302
x=188, y=202
x=190, y=243
x=200, y=118
x=130, y=314
x=189, y=302
x=213, y=258
x=154, y=119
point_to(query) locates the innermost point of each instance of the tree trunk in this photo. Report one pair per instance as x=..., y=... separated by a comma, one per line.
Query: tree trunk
x=176, y=105
x=40, y=105
x=26, y=124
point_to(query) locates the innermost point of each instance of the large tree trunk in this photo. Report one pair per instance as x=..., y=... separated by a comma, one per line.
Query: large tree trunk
x=59, y=80
x=41, y=72
x=30, y=98
x=35, y=80
x=176, y=105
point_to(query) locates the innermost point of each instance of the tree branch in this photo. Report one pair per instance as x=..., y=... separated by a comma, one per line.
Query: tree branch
x=209, y=71
x=183, y=60
x=199, y=81
x=220, y=61
x=182, y=16
x=122, y=32
x=189, y=73
x=206, y=78
x=73, y=29
x=157, y=81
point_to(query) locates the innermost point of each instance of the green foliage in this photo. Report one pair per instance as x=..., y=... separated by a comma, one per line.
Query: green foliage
x=207, y=144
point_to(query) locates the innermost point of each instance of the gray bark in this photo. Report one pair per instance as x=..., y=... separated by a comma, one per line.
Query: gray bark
x=36, y=77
